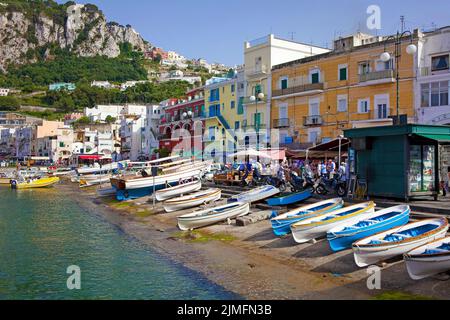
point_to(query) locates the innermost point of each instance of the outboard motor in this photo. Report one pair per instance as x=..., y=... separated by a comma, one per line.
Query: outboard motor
x=13, y=184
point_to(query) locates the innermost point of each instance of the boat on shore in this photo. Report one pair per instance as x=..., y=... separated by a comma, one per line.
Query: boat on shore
x=5, y=179
x=94, y=180
x=192, y=200
x=255, y=195
x=34, y=183
x=428, y=260
x=212, y=216
x=284, y=199
x=281, y=225
x=397, y=241
x=181, y=189
x=134, y=187
x=342, y=237
x=316, y=227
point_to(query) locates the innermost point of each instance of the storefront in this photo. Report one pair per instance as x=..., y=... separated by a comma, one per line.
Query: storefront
x=398, y=161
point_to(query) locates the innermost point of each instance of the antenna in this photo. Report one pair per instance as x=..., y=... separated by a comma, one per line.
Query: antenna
x=292, y=33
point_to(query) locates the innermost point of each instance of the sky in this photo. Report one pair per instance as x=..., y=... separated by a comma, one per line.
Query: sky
x=217, y=29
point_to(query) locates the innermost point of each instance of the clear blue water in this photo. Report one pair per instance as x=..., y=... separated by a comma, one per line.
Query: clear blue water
x=42, y=232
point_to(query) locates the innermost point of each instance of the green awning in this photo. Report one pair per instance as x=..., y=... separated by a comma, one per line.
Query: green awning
x=437, y=137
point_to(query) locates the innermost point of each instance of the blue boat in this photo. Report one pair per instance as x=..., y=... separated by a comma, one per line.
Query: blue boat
x=281, y=225
x=285, y=199
x=343, y=237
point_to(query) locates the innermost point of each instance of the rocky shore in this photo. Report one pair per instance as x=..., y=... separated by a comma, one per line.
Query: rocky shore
x=251, y=262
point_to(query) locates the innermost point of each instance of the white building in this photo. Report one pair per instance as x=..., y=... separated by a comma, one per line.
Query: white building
x=24, y=137
x=153, y=118
x=4, y=92
x=57, y=148
x=102, y=84
x=101, y=112
x=433, y=79
x=7, y=140
x=129, y=84
x=132, y=134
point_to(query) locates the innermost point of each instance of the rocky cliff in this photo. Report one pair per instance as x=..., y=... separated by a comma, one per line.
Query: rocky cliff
x=29, y=31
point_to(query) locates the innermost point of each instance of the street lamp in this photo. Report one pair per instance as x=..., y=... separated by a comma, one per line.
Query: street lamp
x=340, y=137
x=386, y=56
x=255, y=99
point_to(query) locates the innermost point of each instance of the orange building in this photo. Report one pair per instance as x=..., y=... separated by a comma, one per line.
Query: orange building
x=314, y=99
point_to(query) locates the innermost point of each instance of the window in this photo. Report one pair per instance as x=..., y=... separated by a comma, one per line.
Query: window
x=342, y=103
x=439, y=63
x=434, y=94
x=315, y=76
x=233, y=104
x=233, y=88
x=236, y=125
x=381, y=65
x=343, y=70
x=241, y=106
x=364, y=67
x=284, y=83
x=363, y=106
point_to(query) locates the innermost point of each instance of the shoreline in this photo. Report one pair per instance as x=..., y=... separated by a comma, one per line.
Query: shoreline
x=251, y=262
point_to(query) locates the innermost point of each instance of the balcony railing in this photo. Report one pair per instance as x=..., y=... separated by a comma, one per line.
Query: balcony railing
x=377, y=75
x=428, y=71
x=298, y=89
x=313, y=121
x=248, y=101
x=281, y=123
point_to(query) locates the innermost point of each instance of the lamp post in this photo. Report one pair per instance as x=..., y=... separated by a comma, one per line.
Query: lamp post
x=255, y=99
x=386, y=56
x=340, y=137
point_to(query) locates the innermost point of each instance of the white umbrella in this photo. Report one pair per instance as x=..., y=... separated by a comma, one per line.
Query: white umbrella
x=250, y=153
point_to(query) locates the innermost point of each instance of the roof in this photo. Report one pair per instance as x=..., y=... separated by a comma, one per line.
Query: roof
x=408, y=129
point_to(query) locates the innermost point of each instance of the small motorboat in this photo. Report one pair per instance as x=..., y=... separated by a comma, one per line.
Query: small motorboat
x=281, y=225
x=94, y=180
x=397, y=241
x=34, y=183
x=428, y=260
x=213, y=215
x=342, y=237
x=192, y=200
x=255, y=195
x=180, y=189
x=313, y=228
x=285, y=199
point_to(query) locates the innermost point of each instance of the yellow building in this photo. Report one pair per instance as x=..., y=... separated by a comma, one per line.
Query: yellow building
x=224, y=116
x=314, y=99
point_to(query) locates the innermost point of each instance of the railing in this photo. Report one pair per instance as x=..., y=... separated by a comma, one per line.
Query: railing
x=248, y=101
x=281, y=123
x=377, y=75
x=298, y=89
x=261, y=126
x=313, y=121
x=256, y=71
x=428, y=71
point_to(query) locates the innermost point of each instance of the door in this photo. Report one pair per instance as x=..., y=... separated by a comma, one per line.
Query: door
x=283, y=112
x=382, y=111
x=381, y=107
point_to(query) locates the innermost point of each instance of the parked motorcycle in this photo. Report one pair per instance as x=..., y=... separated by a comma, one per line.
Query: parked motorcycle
x=324, y=186
x=301, y=183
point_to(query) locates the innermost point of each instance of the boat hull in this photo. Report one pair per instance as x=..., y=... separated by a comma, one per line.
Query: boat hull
x=421, y=265
x=282, y=227
x=169, y=193
x=310, y=231
x=172, y=206
x=41, y=183
x=190, y=222
x=255, y=195
x=340, y=241
x=289, y=199
x=366, y=255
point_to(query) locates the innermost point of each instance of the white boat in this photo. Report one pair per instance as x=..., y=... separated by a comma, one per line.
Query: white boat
x=397, y=241
x=97, y=169
x=213, y=215
x=256, y=194
x=428, y=260
x=192, y=200
x=316, y=227
x=181, y=189
x=94, y=179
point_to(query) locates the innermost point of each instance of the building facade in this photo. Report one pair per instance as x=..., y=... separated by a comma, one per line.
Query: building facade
x=314, y=99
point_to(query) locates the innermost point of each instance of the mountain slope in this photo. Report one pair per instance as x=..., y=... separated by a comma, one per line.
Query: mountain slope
x=30, y=29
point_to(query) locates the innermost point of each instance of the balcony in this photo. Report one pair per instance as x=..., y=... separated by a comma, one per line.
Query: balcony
x=247, y=101
x=305, y=89
x=313, y=121
x=377, y=77
x=257, y=71
x=281, y=123
x=428, y=71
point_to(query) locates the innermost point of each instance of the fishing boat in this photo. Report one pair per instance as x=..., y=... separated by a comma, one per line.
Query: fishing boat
x=192, y=200
x=34, y=183
x=428, y=260
x=255, y=195
x=5, y=179
x=281, y=225
x=342, y=237
x=213, y=215
x=398, y=241
x=134, y=187
x=313, y=228
x=180, y=189
x=285, y=199
x=95, y=179
x=106, y=192
x=98, y=169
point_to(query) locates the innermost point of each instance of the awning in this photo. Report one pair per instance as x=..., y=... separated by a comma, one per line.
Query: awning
x=436, y=137
x=332, y=145
x=90, y=157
